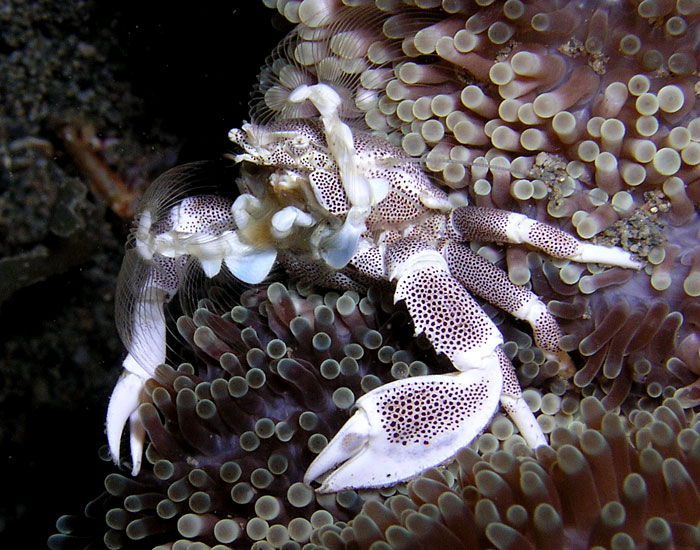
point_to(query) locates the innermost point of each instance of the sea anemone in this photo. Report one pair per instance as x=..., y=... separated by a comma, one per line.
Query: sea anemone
x=579, y=114
x=606, y=482
x=510, y=80
x=232, y=430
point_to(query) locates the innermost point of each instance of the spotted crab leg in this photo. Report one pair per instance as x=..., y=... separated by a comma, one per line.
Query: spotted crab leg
x=517, y=408
x=153, y=271
x=409, y=425
x=475, y=223
x=478, y=275
x=146, y=351
x=483, y=278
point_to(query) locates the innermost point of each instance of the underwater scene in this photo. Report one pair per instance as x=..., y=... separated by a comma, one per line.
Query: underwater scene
x=400, y=274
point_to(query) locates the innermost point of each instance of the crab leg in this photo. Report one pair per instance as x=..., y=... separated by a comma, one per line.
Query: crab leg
x=407, y=426
x=481, y=277
x=339, y=139
x=475, y=223
x=457, y=326
x=146, y=352
x=513, y=403
x=153, y=271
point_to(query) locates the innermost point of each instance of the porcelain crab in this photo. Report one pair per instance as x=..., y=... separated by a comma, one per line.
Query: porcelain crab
x=345, y=209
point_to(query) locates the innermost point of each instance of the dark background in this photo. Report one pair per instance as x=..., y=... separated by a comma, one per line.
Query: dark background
x=187, y=72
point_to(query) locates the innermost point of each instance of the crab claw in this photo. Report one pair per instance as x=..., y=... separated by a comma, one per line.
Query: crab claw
x=125, y=399
x=407, y=426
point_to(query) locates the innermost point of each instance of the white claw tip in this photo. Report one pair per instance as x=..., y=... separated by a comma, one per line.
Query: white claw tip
x=614, y=256
x=122, y=407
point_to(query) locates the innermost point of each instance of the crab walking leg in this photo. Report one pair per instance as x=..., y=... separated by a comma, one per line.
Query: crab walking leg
x=513, y=403
x=407, y=426
x=475, y=223
x=481, y=277
x=318, y=273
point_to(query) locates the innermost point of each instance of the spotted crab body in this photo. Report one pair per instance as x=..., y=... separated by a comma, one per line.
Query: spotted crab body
x=413, y=235
x=345, y=209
